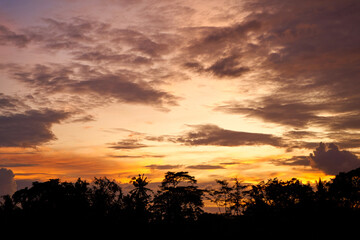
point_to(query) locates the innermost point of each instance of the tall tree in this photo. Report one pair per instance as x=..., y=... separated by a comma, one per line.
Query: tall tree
x=237, y=196
x=179, y=199
x=106, y=197
x=140, y=197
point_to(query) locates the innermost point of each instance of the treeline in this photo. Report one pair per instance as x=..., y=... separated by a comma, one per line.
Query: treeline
x=179, y=201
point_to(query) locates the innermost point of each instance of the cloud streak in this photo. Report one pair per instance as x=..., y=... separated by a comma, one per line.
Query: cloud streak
x=127, y=144
x=210, y=134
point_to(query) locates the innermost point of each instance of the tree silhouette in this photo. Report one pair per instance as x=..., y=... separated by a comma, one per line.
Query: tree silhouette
x=232, y=198
x=266, y=206
x=178, y=199
x=345, y=189
x=139, y=198
x=221, y=197
x=106, y=197
x=278, y=197
x=237, y=197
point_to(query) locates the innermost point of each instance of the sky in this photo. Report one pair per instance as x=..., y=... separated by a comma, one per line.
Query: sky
x=221, y=89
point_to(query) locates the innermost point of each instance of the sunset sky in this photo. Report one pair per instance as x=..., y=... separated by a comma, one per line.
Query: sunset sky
x=220, y=89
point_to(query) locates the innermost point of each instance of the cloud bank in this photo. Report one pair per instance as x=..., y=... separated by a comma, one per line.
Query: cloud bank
x=29, y=129
x=209, y=134
x=332, y=160
x=7, y=182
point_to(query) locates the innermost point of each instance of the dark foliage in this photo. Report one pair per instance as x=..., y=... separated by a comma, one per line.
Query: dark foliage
x=266, y=208
x=178, y=199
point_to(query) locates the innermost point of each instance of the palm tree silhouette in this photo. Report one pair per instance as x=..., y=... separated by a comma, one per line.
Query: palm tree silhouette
x=140, y=197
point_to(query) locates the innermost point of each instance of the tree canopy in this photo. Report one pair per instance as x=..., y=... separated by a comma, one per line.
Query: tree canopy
x=179, y=200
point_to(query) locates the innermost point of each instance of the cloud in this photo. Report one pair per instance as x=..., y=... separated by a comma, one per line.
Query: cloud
x=228, y=66
x=8, y=37
x=163, y=167
x=65, y=35
x=218, y=50
x=117, y=53
x=83, y=119
x=215, y=40
x=11, y=103
x=128, y=144
x=138, y=42
x=295, y=114
x=204, y=167
x=109, y=56
x=293, y=161
x=331, y=160
x=78, y=35
x=7, y=182
x=209, y=134
x=301, y=134
x=123, y=85
x=29, y=129
x=124, y=90
x=307, y=57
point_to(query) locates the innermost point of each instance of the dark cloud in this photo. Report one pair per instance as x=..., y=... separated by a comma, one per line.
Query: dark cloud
x=223, y=67
x=65, y=35
x=81, y=34
x=123, y=86
x=301, y=134
x=29, y=129
x=309, y=55
x=163, y=167
x=204, y=167
x=83, y=119
x=293, y=161
x=108, y=56
x=347, y=121
x=229, y=163
x=219, y=50
x=215, y=40
x=227, y=67
x=124, y=90
x=294, y=144
x=8, y=37
x=331, y=160
x=7, y=182
x=128, y=144
x=138, y=42
x=345, y=139
x=118, y=53
x=213, y=135
x=11, y=103
x=195, y=66
x=295, y=114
